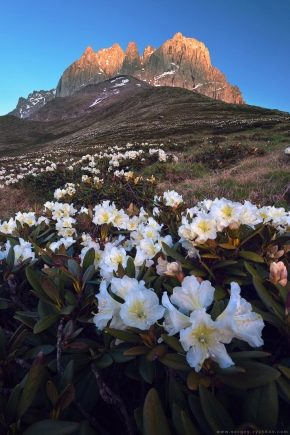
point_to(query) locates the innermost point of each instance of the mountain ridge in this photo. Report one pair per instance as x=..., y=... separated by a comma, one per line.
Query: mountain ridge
x=179, y=62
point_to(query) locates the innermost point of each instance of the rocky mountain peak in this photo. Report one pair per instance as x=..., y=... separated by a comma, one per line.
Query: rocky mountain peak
x=179, y=62
x=147, y=53
x=132, y=51
x=88, y=51
x=178, y=35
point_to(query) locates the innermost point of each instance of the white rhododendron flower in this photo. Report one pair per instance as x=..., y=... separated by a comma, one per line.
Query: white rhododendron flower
x=172, y=198
x=204, y=228
x=141, y=309
x=7, y=227
x=192, y=294
x=22, y=251
x=174, y=320
x=239, y=318
x=111, y=259
x=107, y=307
x=204, y=339
x=123, y=286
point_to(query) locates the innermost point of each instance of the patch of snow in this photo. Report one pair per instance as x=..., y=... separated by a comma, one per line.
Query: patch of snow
x=198, y=85
x=138, y=84
x=123, y=83
x=98, y=100
x=117, y=78
x=166, y=73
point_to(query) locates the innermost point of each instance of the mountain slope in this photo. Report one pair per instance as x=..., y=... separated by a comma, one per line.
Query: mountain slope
x=98, y=114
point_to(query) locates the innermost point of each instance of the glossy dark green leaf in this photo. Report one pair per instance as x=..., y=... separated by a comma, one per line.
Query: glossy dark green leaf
x=154, y=419
x=31, y=386
x=130, y=268
x=45, y=323
x=214, y=412
x=89, y=258
x=50, y=289
x=124, y=335
x=173, y=342
x=175, y=361
x=255, y=375
x=252, y=256
x=146, y=369
x=261, y=406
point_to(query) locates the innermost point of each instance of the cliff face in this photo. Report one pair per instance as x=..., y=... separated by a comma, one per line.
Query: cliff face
x=179, y=62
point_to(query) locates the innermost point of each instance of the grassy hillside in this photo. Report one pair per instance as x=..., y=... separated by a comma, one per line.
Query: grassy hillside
x=222, y=149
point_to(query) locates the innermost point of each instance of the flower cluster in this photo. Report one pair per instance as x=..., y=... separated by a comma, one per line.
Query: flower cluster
x=137, y=238
x=201, y=336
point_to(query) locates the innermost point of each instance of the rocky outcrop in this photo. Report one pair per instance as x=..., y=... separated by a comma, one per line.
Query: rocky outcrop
x=37, y=99
x=179, y=62
x=93, y=67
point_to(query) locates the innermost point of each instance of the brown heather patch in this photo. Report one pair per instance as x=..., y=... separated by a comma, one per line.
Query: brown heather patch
x=13, y=200
x=262, y=180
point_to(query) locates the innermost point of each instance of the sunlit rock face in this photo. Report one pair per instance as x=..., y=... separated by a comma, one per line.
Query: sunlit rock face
x=179, y=62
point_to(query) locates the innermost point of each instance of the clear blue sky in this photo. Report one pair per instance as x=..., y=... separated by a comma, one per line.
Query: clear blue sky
x=249, y=40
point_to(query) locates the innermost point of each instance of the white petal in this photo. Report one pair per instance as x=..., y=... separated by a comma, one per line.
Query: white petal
x=219, y=354
x=174, y=319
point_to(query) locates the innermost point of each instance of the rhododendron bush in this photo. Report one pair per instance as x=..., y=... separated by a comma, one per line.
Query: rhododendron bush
x=167, y=319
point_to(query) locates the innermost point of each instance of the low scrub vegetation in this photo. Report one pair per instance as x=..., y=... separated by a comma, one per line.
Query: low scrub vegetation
x=128, y=309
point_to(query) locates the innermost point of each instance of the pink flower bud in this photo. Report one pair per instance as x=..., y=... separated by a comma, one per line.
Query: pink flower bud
x=278, y=273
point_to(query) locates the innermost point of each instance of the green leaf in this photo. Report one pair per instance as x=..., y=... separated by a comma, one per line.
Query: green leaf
x=52, y=392
x=175, y=361
x=50, y=289
x=249, y=354
x=130, y=268
x=10, y=258
x=136, y=351
x=267, y=299
x=252, y=256
x=89, y=273
x=89, y=258
x=66, y=398
x=173, y=342
x=261, y=406
x=146, y=369
x=45, y=323
x=154, y=419
x=33, y=278
x=285, y=371
x=74, y=268
x=68, y=373
x=255, y=375
x=32, y=384
x=195, y=407
x=187, y=424
x=49, y=427
x=284, y=388
x=215, y=414
x=123, y=335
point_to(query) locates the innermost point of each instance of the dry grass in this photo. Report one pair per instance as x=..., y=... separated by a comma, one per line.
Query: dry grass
x=263, y=180
x=13, y=200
